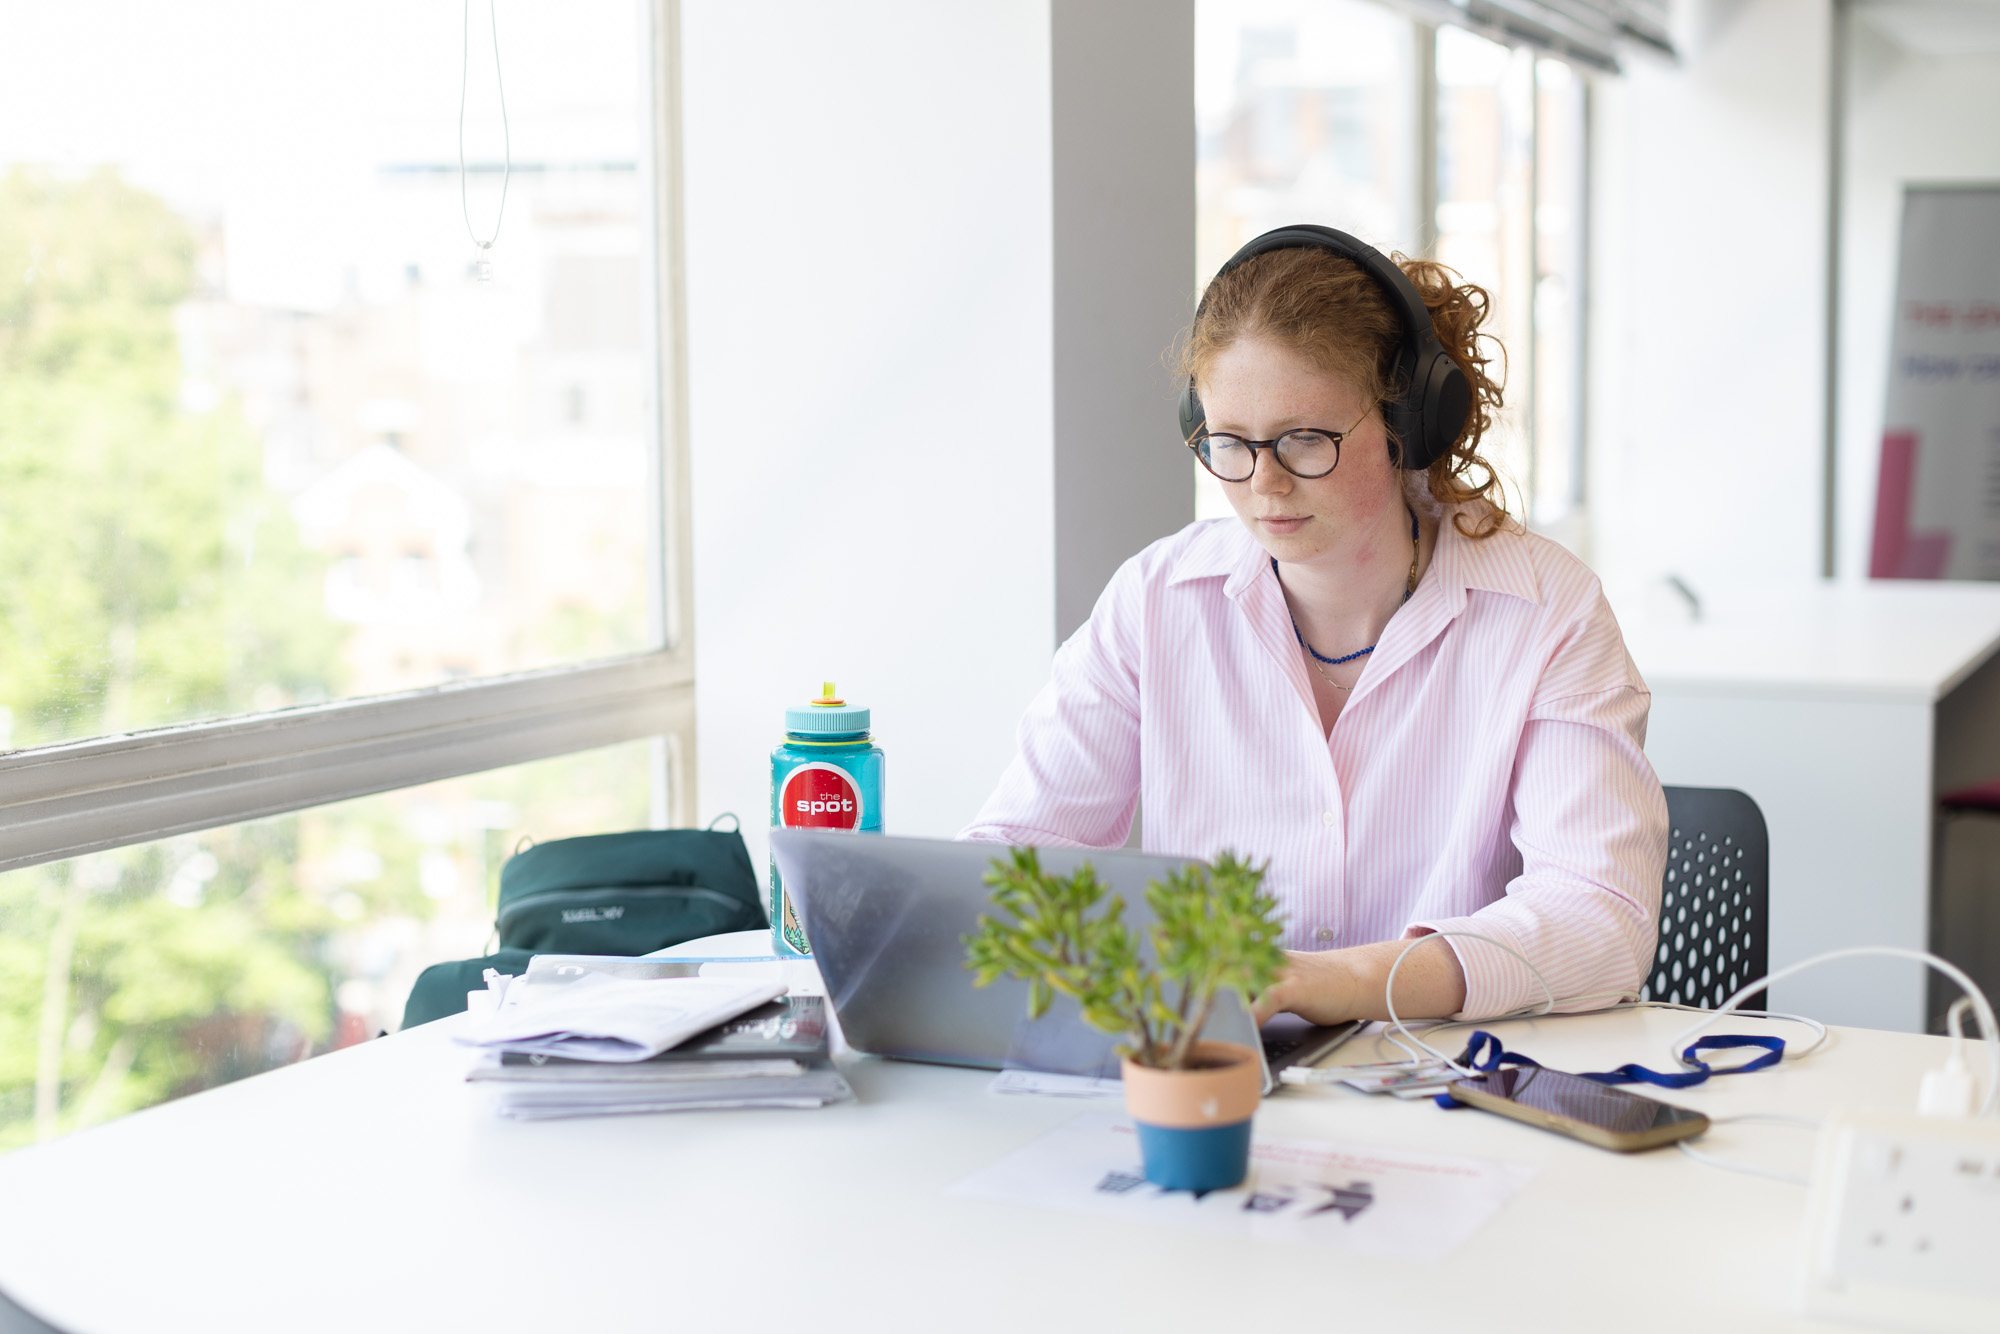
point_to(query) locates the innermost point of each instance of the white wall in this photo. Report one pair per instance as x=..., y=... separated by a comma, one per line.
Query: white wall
x=1912, y=117
x=1707, y=306
x=872, y=264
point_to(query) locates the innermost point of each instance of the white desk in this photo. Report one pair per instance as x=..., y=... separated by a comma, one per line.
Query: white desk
x=1843, y=709
x=370, y=1190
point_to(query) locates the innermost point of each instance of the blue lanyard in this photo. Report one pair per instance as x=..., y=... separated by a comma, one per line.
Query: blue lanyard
x=1484, y=1052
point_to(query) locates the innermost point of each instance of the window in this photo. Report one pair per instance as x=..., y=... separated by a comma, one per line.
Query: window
x=158, y=969
x=346, y=463
x=1485, y=210
x=1557, y=482
x=1510, y=218
x=1312, y=111
x=1305, y=111
x=305, y=496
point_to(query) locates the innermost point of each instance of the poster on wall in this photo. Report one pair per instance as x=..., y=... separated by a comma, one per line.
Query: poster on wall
x=1937, y=498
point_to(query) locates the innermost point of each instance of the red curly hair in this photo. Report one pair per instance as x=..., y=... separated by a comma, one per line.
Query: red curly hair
x=1326, y=308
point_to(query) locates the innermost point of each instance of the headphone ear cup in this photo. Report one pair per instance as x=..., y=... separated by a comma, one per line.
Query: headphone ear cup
x=1447, y=403
x=1193, y=418
x=1406, y=425
x=1430, y=417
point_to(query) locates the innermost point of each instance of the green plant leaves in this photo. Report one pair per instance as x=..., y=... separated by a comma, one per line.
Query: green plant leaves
x=1211, y=930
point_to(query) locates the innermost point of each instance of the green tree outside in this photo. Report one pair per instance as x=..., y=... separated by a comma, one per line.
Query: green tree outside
x=146, y=576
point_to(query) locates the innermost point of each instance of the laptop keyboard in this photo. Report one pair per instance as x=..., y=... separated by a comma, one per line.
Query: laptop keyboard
x=1291, y=1044
x=1278, y=1052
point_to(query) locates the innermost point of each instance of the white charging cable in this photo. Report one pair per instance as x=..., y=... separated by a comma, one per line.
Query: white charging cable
x=1750, y=1169
x=1396, y=1024
x=1980, y=1006
x=1949, y=1091
x=1791, y=1053
x=1621, y=1003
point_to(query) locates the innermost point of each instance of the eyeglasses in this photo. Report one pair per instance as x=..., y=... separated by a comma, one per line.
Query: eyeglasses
x=1306, y=453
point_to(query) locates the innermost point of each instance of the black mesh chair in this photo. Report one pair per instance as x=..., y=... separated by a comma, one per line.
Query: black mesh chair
x=1715, y=907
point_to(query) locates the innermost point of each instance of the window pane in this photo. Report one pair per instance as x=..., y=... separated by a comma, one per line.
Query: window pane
x=1485, y=216
x=1305, y=111
x=133, y=976
x=1559, y=217
x=266, y=437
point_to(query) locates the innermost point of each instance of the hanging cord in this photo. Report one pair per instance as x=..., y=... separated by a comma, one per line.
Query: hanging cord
x=506, y=135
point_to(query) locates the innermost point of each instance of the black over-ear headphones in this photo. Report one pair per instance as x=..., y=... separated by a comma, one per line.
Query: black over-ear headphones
x=1436, y=396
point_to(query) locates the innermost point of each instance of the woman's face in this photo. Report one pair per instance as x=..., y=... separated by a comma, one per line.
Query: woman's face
x=1259, y=389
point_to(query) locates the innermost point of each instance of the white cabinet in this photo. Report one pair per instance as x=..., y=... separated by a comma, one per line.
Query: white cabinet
x=1843, y=709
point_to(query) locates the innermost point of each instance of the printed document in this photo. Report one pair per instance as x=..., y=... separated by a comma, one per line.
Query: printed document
x=1399, y=1203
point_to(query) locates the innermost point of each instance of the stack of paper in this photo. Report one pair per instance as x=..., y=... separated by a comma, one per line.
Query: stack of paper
x=598, y=1017
x=773, y=1056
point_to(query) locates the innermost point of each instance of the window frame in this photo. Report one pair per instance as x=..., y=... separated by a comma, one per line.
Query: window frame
x=71, y=798
x=1573, y=517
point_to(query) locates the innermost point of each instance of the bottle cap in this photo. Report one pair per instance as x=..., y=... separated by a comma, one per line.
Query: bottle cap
x=828, y=713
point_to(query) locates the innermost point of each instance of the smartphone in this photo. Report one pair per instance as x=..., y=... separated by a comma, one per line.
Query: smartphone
x=1581, y=1108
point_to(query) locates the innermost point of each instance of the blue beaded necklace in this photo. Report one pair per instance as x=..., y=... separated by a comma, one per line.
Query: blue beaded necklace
x=1408, y=588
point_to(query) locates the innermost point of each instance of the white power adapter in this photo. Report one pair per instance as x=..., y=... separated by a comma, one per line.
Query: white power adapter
x=1902, y=1221
x=1949, y=1090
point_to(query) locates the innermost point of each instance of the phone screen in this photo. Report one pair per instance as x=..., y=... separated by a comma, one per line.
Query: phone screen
x=1580, y=1099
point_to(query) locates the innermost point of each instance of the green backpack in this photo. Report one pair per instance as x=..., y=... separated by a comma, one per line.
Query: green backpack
x=626, y=894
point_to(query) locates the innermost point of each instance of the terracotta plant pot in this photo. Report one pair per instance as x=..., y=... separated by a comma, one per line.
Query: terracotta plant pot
x=1194, y=1125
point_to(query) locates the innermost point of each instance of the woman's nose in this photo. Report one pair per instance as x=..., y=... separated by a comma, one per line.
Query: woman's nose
x=1268, y=477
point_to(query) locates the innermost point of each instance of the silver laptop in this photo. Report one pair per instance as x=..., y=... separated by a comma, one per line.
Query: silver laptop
x=887, y=919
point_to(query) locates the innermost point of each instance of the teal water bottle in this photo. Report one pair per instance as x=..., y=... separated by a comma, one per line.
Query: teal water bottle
x=826, y=775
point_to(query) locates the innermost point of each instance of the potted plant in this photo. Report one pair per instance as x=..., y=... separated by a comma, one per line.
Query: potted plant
x=1191, y=1100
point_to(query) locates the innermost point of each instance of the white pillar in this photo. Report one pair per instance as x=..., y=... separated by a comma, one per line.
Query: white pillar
x=935, y=254
x=1124, y=283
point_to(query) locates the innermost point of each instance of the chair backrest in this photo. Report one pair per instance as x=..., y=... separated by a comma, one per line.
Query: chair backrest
x=1715, y=906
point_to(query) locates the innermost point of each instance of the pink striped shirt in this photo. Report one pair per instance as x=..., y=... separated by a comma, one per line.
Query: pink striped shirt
x=1486, y=773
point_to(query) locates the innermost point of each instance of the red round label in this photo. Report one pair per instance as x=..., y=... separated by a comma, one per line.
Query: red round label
x=819, y=796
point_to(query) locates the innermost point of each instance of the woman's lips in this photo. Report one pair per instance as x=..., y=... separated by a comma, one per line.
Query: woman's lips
x=1282, y=524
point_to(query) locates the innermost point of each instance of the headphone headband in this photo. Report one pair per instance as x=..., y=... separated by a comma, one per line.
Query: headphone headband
x=1430, y=413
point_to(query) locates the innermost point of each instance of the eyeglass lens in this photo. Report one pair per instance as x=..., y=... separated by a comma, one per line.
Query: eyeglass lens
x=1303, y=453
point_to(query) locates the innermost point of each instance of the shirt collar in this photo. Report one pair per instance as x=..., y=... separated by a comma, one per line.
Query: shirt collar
x=1497, y=564
x=1222, y=548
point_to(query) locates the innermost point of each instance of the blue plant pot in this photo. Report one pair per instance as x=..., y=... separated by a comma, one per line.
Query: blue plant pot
x=1200, y=1160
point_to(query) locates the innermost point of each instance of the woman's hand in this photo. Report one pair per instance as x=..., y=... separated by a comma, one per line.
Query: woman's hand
x=1333, y=986
x=1318, y=987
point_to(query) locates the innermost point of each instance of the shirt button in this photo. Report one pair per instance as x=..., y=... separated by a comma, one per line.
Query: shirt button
x=1329, y=819
x=1324, y=935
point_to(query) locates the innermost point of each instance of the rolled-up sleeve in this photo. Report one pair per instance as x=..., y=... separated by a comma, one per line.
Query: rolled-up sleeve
x=1590, y=822
x=1075, y=777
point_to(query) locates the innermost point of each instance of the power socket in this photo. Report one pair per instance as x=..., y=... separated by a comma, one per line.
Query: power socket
x=1903, y=1223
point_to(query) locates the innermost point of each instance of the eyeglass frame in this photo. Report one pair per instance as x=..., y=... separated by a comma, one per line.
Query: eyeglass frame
x=1193, y=442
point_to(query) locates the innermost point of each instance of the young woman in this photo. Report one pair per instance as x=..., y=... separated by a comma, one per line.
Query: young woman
x=1421, y=714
